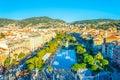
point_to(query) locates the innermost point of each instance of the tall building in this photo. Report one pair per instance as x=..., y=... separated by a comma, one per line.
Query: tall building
x=112, y=52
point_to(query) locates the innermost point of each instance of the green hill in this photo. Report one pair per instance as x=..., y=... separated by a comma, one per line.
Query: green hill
x=95, y=21
x=37, y=20
x=45, y=21
x=99, y=23
x=4, y=21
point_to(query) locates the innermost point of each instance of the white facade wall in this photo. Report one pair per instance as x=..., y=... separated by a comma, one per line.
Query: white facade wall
x=26, y=45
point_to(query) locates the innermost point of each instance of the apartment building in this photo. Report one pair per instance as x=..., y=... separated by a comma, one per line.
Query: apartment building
x=112, y=52
x=9, y=47
x=36, y=41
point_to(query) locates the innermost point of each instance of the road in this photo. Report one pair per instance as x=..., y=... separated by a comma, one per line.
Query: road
x=80, y=39
x=55, y=74
x=14, y=71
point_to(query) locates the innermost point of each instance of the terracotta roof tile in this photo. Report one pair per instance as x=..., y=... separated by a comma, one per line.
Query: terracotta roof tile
x=113, y=37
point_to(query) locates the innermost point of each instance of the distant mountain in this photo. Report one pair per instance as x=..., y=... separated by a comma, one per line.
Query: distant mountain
x=95, y=21
x=98, y=23
x=47, y=22
x=4, y=21
x=34, y=21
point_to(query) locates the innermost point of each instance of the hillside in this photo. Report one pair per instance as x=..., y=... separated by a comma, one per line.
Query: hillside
x=95, y=21
x=46, y=22
x=98, y=23
x=34, y=21
x=4, y=21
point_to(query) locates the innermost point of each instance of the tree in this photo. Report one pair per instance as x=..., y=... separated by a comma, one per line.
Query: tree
x=94, y=68
x=50, y=68
x=40, y=65
x=37, y=62
x=7, y=62
x=99, y=56
x=21, y=55
x=30, y=61
x=31, y=66
x=80, y=49
x=75, y=67
x=41, y=53
x=14, y=61
x=104, y=62
x=82, y=65
x=47, y=49
x=88, y=59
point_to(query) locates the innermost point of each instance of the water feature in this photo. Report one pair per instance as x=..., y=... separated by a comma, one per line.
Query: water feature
x=63, y=60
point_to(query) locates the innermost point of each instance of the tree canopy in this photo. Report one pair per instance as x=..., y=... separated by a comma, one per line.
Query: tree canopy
x=21, y=55
x=76, y=67
x=88, y=59
x=7, y=62
x=94, y=68
x=80, y=49
x=37, y=62
x=99, y=56
x=104, y=62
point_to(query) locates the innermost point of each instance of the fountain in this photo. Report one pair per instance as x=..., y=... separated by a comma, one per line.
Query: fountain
x=55, y=63
x=67, y=57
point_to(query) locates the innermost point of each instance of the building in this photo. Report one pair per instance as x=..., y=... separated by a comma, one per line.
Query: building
x=37, y=41
x=116, y=54
x=12, y=46
x=3, y=51
x=112, y=38
x=2, y=55
x=112, y=52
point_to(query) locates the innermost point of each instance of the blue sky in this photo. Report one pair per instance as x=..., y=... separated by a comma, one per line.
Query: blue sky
x=68, y=10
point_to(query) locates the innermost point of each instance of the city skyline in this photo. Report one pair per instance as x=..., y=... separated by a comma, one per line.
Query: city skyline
x=65, y=10
x=59, y=40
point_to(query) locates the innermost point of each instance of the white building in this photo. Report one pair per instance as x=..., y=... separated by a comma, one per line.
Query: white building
x=31, y=43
